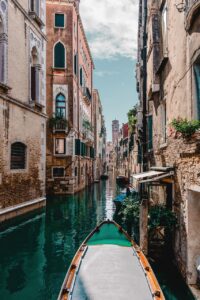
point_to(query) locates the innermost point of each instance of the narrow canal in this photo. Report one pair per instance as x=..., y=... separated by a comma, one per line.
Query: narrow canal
x=35, y=251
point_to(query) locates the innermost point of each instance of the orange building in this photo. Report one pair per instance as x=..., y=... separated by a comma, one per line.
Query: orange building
x=70, y=137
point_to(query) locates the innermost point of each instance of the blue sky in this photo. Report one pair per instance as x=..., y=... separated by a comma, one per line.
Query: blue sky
x=115, y=79
x=111, y=28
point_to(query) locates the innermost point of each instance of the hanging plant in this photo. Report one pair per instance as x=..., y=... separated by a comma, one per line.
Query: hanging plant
x=57, y=121
x=186, y=128
x=160, y=216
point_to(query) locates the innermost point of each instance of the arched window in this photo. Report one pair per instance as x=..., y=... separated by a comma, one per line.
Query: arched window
x=18, y=156
x=59, y=55
x=35, y=75
x=60, y=106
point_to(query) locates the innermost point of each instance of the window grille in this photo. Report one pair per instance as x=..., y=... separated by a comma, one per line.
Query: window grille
x=58, y=172
x=18, y=156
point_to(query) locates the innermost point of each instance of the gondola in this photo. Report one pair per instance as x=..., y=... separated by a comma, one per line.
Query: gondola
x=109, y=265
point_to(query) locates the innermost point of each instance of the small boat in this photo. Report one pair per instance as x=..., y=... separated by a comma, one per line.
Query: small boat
x=104, y=177
x=119, y=199
x=122, y=180
x=110, y=266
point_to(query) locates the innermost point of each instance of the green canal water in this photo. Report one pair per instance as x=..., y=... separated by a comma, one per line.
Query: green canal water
x=36, y=250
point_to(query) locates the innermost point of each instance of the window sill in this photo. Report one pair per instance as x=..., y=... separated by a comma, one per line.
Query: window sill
x=58, y=69
x=60, y=155
x=4, y=87
x=56, y=27
x=14, y=171
x=36, y=18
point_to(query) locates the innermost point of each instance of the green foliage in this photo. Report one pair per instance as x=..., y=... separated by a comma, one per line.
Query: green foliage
x=159, y=215
x=87, y=125
x=57, y=121
x=132, y=118
x=130, y=210
x=186, y=128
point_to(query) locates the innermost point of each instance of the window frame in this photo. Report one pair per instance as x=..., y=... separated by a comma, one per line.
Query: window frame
x=58, y=167
x=60, y=108
x=15, y=170
x=58, y=27
x=65, y=147
x=195, y=100
x=65, y=57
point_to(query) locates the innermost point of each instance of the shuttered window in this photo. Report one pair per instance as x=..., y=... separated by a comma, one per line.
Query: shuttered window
x=18, y=156
x=81, y=76
x=58, y=172
x=150, y=132
x=59, y=56
x=75, y=64
x=77, y=147
x=60, y=20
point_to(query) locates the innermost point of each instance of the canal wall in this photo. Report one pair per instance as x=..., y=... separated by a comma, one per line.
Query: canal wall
x=20, y=209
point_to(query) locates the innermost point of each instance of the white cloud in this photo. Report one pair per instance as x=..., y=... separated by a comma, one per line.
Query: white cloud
x=111, y=27
x=105, y=73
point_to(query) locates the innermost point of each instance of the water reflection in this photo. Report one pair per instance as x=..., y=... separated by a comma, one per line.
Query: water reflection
x=36, y=251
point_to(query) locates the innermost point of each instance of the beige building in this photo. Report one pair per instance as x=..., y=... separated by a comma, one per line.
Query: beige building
x=99, y=136
x=173, y=81
x=22, y=105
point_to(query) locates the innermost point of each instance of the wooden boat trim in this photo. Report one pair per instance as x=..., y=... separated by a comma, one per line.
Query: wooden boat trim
x=69, y=281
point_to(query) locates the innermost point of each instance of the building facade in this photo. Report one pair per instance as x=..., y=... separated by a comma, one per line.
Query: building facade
x=115, y=131
x=22, y=102
x=99, y=137
x=70, y=135
x=172, y=95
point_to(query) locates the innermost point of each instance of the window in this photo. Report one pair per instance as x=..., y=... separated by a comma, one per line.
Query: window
x=77, y=147
x=35, y=6
x=197, y=87
x=58, y=172
x=81, y=76
x=76, y=171
x=75, y=64
x=59, y=20
x=18, y=156
x=35, y=75
x=60, y=106
x=164, y=28
x=60, y=146
x=150, y=132
x=59, y=56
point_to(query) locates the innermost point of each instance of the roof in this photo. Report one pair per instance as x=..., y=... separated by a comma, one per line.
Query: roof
x=149, y=176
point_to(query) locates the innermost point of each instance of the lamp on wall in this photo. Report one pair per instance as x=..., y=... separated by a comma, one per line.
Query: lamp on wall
x=181, y=6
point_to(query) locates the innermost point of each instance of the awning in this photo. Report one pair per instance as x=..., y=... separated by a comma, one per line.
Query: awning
x=150, y=176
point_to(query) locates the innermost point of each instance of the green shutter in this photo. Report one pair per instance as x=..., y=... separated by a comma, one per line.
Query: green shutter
x=77, y=147
x=150, y=132
x=139, y=154
x=197, y=81
x=59, y=56
x=59, y=20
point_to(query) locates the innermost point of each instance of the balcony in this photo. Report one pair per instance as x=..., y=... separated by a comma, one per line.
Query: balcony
x=88, y=136
x=58, y=124
x=87, y=95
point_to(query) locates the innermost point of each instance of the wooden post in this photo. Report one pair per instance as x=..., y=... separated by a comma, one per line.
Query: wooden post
x=144, y=226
